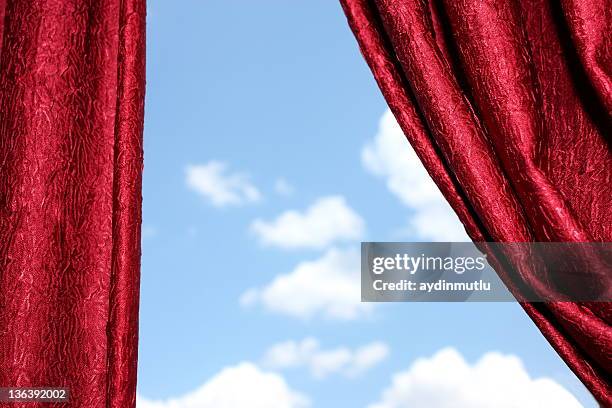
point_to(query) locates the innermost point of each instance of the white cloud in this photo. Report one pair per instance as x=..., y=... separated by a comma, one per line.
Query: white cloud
x=390, y=156
x=321, y=363
x=328, y=286
x=222, y=188
x=446, y=380
x=283, y=188
x=244, y=385
x=327, y=220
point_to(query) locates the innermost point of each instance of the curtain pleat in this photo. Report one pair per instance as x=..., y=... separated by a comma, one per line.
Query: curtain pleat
x=507, y=105
x=72, y=104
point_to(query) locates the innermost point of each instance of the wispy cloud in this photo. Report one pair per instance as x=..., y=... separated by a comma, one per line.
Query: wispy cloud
x=327, y=220
x=283, y=187
x=327, y=287
x=390, y=156
x=244, y=385
x=308, y=353
x=446, y=380
x=216, y=184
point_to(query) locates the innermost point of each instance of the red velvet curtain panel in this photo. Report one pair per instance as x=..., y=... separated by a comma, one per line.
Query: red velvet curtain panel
x=508, y=104
x=71, y=105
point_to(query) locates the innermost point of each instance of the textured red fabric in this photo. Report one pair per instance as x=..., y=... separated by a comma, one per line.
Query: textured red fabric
x=508, y=105
x=71, y=106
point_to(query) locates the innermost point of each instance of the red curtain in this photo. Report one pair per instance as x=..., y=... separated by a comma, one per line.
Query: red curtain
x=71, y=106
x=508, y=105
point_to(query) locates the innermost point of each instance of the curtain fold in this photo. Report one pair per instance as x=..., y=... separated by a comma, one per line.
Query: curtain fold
x=508, y=106
x=72, y=82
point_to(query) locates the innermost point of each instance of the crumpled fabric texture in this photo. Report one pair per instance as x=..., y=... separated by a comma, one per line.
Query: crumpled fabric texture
x=72, y=80
x=508, y=105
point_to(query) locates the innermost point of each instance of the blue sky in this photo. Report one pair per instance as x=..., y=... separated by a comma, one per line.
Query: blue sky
x=257, y=109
